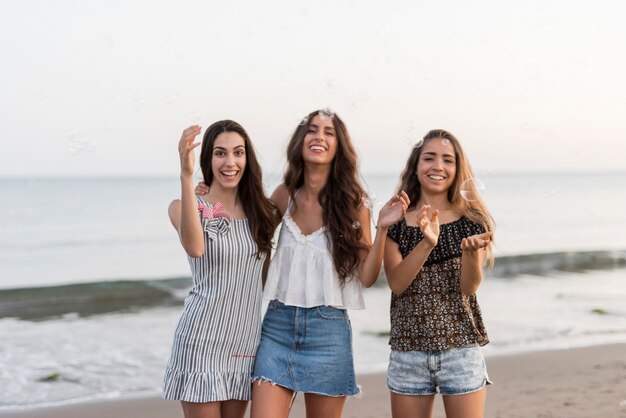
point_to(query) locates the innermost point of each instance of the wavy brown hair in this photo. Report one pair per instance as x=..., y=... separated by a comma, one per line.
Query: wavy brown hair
x=340, y=198
x=474, y=209
x=260, y=211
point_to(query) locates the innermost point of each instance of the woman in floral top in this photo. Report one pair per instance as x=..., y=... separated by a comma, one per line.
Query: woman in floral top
x=433, y=262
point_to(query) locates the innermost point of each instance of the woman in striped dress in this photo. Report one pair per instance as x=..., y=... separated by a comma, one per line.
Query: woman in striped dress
x=227, y=235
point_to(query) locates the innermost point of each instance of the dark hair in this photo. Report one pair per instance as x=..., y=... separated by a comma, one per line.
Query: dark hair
x=475, y=210
x=260, y=211
x=341, y=196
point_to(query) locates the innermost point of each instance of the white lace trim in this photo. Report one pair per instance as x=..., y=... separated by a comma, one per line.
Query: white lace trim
x=297, y=233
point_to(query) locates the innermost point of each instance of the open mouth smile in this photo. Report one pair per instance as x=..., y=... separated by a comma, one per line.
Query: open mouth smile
x=318, y=148
x=229, y=173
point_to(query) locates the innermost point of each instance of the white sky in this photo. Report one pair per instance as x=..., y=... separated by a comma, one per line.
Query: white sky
x=106, y=87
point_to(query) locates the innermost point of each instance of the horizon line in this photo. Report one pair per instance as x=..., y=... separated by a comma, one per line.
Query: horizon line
x=275, y=174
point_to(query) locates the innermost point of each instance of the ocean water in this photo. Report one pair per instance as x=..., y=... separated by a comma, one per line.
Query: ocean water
x=92, y=278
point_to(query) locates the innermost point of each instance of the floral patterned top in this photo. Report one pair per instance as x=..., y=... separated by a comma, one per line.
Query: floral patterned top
x=433, y=313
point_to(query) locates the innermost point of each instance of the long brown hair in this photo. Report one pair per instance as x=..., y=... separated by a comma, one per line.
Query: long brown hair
x=340, y=198
x=260, y=211
x=474, y=209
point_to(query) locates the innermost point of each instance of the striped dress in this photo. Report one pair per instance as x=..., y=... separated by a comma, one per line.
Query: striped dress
x=218, y=333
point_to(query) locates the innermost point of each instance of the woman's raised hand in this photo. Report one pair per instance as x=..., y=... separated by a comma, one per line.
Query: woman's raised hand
x=476, y=242
x=186, y=145
x=393, y=210
x=429, y=225
x=202, y=189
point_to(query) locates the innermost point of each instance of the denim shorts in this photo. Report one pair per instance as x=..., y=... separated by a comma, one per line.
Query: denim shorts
x=306, y=350
x=456, y=371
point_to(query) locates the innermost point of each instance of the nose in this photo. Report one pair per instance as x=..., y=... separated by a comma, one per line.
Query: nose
x=230, y=159
x=318, y=136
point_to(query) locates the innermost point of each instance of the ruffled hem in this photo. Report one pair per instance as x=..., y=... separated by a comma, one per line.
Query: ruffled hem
x=206, y=387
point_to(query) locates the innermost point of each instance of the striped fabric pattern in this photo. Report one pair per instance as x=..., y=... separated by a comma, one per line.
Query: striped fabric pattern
x=218, y=333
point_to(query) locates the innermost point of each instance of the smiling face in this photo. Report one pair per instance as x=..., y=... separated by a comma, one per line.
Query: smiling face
x=320, y=142
x=436, y=166
x=228, y=160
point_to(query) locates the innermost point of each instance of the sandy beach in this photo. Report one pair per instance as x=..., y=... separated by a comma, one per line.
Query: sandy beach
x=581, y=382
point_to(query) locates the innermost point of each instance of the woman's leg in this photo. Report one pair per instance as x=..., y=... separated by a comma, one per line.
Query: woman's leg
x=233, y=409
x=201, y=409
x=412, y=406
x=319, y=406
x=270, y=401
x=224, y=409
x=470, y=405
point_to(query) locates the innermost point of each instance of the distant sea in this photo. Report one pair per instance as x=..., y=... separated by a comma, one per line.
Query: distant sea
x=92, y=278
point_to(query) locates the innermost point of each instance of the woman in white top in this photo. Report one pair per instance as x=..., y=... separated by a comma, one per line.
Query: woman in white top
x=324, y=255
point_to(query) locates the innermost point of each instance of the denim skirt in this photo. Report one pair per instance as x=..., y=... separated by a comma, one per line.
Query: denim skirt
x=306, y=350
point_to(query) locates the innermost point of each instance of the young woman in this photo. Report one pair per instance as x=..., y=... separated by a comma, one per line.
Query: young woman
x=323, y=258
x=227, y=235
x=433, y=262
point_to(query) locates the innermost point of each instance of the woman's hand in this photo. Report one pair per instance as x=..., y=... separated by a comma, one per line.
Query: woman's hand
x=476, y=242
x=372, y=259
x=429, y=227
x=202, y=189
x=472, y=261
x=186, y=145
x=184, y=212
x=393, y=210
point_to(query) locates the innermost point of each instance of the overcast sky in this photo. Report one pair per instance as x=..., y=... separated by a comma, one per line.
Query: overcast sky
x=106, y=87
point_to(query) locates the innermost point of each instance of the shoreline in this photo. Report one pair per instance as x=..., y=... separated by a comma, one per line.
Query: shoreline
x=575, y=382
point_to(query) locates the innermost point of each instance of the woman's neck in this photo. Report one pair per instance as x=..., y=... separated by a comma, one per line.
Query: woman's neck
x=315, y=178
x=227, y=197
x=436, y=201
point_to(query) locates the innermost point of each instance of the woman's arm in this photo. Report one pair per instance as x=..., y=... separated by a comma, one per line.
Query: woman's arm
x=280, y=197
x=472, y=261
x=371, y=261
x=184, y=212
x=266, y=267
x=401, y=272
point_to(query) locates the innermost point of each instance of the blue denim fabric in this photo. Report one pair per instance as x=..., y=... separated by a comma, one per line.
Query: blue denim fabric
x=306, y=350
x=456, y=371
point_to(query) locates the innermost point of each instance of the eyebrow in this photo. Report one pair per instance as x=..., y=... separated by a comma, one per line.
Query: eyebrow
x=435, y=154
x=222, y=148
x=327, y=128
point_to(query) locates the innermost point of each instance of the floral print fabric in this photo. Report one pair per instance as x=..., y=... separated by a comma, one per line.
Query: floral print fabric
x=433, y=313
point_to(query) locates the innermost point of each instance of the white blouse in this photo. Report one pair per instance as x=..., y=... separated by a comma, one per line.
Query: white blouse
x=302, y=272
